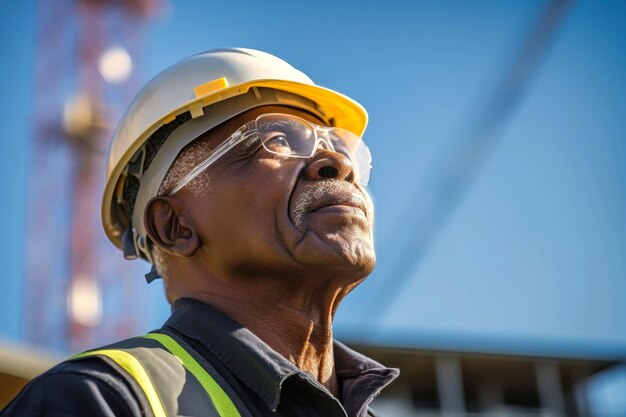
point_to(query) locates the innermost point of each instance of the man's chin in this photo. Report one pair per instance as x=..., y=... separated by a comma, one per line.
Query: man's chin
x=337, y=252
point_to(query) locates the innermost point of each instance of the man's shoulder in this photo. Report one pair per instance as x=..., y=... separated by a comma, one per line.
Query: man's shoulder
x=88, y=386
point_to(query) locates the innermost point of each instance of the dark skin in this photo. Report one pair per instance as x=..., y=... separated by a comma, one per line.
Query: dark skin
x=237, y=246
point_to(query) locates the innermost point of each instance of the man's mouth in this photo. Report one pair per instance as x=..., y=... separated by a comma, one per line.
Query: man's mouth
x=331, y=196
x=339, y=204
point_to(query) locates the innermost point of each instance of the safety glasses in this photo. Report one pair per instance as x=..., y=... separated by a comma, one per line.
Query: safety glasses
x=293, y=137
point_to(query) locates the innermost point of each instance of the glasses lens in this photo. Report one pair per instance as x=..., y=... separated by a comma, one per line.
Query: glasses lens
x=350, y=144
x=292, y=136
x=285, y=135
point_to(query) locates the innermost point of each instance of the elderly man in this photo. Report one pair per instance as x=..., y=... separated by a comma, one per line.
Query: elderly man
x=243, y=183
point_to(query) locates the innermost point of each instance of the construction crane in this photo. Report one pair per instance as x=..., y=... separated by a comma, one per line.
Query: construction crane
x=89, y=55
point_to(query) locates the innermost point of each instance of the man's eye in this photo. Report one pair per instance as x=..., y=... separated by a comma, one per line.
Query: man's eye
x=278, y=143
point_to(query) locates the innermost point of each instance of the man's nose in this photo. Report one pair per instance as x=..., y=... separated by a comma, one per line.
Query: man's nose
x=327, y=164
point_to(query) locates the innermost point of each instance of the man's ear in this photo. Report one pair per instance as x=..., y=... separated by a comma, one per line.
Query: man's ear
x=170, y=231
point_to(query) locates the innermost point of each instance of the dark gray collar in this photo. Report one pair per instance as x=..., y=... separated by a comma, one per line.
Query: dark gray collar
x=264, y=370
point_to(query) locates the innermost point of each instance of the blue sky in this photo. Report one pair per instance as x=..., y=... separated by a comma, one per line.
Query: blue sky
x=531, y=257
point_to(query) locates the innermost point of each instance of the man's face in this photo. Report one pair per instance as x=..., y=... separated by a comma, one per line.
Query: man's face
x=270, y=214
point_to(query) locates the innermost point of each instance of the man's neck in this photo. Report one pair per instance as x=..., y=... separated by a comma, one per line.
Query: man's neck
x=303, y=337
x=295, y=323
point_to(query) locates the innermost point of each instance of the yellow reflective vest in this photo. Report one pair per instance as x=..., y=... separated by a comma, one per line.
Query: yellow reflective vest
x=174, y=379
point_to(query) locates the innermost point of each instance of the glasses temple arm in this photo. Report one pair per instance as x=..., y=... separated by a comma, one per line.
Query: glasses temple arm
x=213, y=156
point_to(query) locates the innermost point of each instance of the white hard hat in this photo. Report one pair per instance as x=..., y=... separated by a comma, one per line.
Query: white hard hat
x=210, y=88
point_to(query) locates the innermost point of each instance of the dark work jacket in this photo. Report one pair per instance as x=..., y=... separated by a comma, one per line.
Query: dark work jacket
x=267, y=383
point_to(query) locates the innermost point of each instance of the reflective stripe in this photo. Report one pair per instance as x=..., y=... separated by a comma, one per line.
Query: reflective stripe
x=131, y=365
x=222, y=402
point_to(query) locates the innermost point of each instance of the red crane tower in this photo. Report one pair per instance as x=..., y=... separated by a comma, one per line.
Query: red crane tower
x=76, y=283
